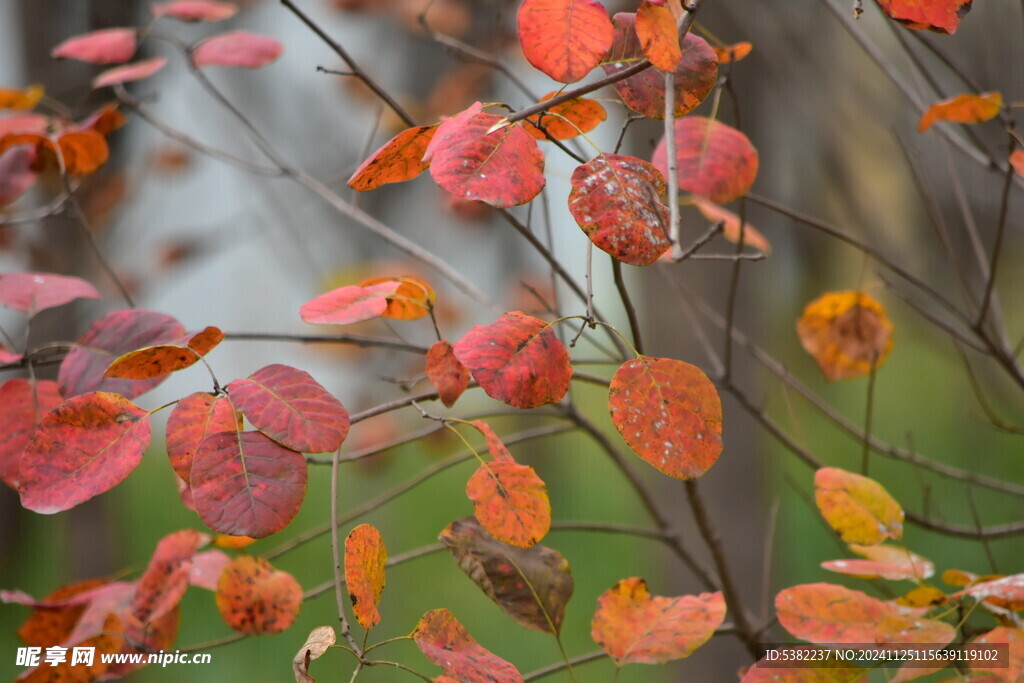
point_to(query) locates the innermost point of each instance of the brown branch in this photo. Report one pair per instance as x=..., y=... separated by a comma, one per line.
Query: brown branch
x=361, y=340
x=627, y=303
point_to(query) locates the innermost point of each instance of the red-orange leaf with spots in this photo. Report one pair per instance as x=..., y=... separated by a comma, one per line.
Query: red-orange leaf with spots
x=475, y=158
x=942, y=16
x=669, y=413
x=81, y=449
x=163, y=359
x=400, y=159
x=633, y=626
x=715, y=161
x=365, y=557
x=659, y=36
x=194, y=418
x=566, y=120
x=23, y=403
x=857, y=507
x=291, y=407
x=34, y=292
x=447, y=643
x=255, y=598
x=1007, y=592
x=53, y=624
x=496, y=447
x=965, y=108
x=565, y=39
x=619, y=202
x=245, y=484
x=828, y=613
x=511, y=502
x=517, y=359
x=644, y=93
x=347, y=305
x=446, y=372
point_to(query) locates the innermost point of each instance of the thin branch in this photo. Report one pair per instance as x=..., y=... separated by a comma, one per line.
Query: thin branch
x=361, y=340
x=558, y=667
x=627, y=303
x=997, y=247
x=339, y=569
x=672, y=163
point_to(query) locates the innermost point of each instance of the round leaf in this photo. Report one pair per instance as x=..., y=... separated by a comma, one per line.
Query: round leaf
x=82, y=448
x=365, y=557
x=565, y=39
x=245, y=484
x=1014, y=668
x=618, y=201
x=857, y=507
x=447, y=643
x=511, y=502
x=194, y=418
x=827, y=613
x=669, y=413
x=714, y=161
x=517, y=359
x=254, y=598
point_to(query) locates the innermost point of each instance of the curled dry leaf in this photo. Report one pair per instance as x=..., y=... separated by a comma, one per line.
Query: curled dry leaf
x=108, y=46
x=857, y=507
x=517, y=359
x=565, y=39
x=237, y=49
x=942, y=16
x=255, y=598
x=619, y=203
x=446, y=373
x=847, y=333
x=84, y=447
x=319, y=641
x=566, y=120
x=965, y=108
x=447, y=643
x=669, y=413
x=511, y=502
x=365, y=558
x=633, y=626
x=714, y=161
x=400, y=159
x=532, y=585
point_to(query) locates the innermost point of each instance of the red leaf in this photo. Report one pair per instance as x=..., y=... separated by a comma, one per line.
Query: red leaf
x=289, y=406
x=400, y=159
x=495, y=445
x=207, y=568
x=112, y=335
x=347, y=305
x=502, y=168
x=135, y=71
x=194, y=418
x=16, y=174
x=163, y=584
x=34, y=292
x=659, y=36
x=517, y=359
x=255, y=598
x=633, y=626
x=827, y=613
x=194, y=10
x=156, y=361
x=244, y=484
x=942, y=16
x=669, y=413
x=365, y=557
x=644, y=93
x=446, y=372
x=565, y=39
x=714, y=160
x=566, y=120
x=81, y=151
x=109, y=46
x=238, y=49
x=619, y=202
x=23, y=403
x=962, y=109
x=857, y=507
x=84, y=447
x=511, y=502
x=447, y=643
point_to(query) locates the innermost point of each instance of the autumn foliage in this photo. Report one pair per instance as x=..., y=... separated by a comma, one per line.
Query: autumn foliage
x=242, y=450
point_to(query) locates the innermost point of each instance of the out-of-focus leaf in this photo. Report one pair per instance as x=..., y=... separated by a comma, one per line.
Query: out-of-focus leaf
x=135, y=71
x=942, y=16
x=857, y=507
x=194, y=10
x=847, y=333
x=237, y=49
x=965, y=108
x=34, y=292
x=255, y=598
x=107, y=46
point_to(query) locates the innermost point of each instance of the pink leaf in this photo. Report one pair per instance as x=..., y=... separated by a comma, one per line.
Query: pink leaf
x=194, y=10
x=34, y=292
x=16, y=175
x=347, y=305
x=129, y=72
x=23, y=403
x=109, y=46
x=237, y=48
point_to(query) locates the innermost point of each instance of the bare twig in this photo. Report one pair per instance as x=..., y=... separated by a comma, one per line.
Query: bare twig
x=627, y=303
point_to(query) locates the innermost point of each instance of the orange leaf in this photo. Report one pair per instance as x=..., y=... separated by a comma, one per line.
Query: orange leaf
x=715, y=161
x=412, y=298
x=447, y=643
x=659, y=36
x=517, y=359
x=942, y=16
x=857, y=507
x=254, y=598
x=669, y=413
x=633, y=626
x=566, y=120
x=827, y=613
x=495, y=445
x=49, y=625
x=511, y=502
x=1014, y=669
x=731, y=229
x=155, y=361
x=1017, y=161
x=21, y=99
x=619, y=203
x=732, y=53
x=400, y=159
x=446, y=372
x=565, y=39
x=365, y=557
x=846, y=333
x=962, y=109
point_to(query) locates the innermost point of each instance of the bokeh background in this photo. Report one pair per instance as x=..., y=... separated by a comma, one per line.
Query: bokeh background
x=213, y=245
